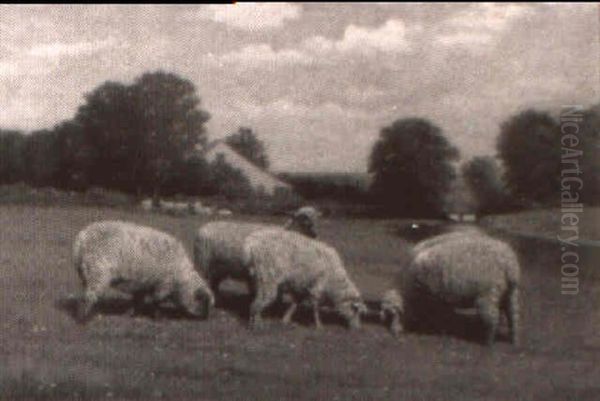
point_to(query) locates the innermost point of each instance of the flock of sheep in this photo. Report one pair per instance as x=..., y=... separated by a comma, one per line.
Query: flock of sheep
x=460, y=269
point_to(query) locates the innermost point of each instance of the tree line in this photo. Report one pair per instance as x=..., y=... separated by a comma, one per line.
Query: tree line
x=146, y=138
x=143, y=139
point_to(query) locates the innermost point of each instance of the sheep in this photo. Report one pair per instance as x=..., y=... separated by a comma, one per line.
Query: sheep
x=287, y=262
x=456, y=233
x=466, y=269
x=140, y=261
x=218, y=247
x=225, y=212
x=304, y=220
x=146, y=205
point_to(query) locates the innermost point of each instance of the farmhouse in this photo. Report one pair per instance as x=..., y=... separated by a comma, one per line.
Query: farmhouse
x=259, y=179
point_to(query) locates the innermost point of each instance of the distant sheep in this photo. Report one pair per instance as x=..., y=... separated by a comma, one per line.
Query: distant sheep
x=304, y=220
x=287, y=262
x=140, y=261
x=175, y=208
x=146, y=205
x=199, y=209
x=468, y=269
x=218, y=248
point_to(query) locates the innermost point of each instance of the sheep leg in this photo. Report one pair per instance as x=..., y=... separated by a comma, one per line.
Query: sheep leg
x=290, y=312
x=84, y=310
x=264, y=297
x=488, y=310
x=511, y=308
x=316, y=315
x=396, y=326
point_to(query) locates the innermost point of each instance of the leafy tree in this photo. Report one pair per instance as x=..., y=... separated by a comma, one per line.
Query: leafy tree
x=12, y=167
x=411, y=163
x=529, y=146
x=246, y=143
x=136, y=134
x=40, y=155
x=589, y=144
x=482, y=174
x=75, y=156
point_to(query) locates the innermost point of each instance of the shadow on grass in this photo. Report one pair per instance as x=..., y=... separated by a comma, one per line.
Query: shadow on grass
x=124, y=307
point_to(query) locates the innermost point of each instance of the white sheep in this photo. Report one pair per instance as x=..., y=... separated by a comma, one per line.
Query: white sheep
x=140, y=261
x=218, y=247
x=468, y=269
x=457, y=232
x=286, y=262
x=146, y=205
x=225, y=212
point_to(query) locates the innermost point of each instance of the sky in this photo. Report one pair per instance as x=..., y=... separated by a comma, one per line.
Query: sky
x=316, y=82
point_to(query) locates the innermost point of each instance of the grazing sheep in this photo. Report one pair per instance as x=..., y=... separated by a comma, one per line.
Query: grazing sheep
x=140, y=261
x=468, y=269
x=456, y=233
x=218, y=248
x=287, y=262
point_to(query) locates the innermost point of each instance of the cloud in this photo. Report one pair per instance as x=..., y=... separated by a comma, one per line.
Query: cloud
x=58, y=49
x=259, y=55
x=480, y=24
x=390, y=37
x=255, y=16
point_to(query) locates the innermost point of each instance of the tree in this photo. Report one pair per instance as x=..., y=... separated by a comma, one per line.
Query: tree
x=411, y=163
x=246, y=143
x=12, y=167
x=136, y=134
x=41, y=158
x=173, y=125
x=589, y=144
x=482, y=174
x=529, y=146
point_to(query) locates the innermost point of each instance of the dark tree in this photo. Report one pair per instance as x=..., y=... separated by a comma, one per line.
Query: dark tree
x=589, y=144
x=12, y=166
x=75, y=156
x=246, y=143
x=529, y=146
x=41, y=158
x=482, y=174
x=137, y=134
x=411, y=163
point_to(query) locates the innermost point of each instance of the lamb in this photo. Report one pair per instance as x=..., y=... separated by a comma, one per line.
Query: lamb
x=140, y=261
x=218, y=247
x=287, y=262
x=463, y=269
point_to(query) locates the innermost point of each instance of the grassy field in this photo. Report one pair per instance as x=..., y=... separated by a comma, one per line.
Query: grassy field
x=44, y=354
x=547, y=223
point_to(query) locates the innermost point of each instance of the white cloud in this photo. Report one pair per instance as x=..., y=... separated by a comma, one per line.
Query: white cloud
x=480, y=24
x=262, y=54
x=255, y=16
x=390, y=37
x=58, y=49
